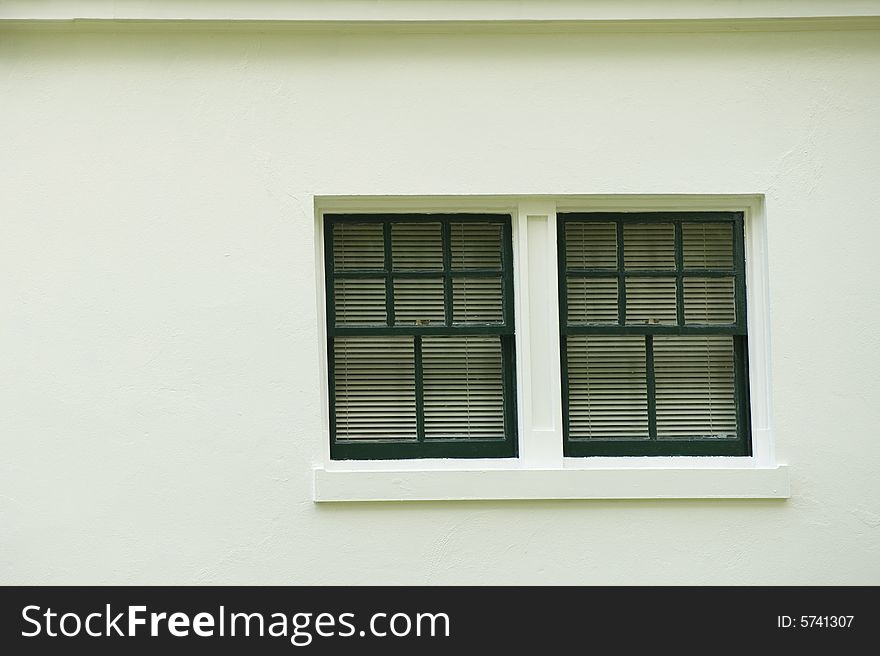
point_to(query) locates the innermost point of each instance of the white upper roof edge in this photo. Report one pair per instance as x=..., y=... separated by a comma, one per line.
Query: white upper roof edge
x=434, y=11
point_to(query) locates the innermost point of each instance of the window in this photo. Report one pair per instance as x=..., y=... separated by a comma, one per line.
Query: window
x=420, y=336
x=653, y=334
x=631, y=339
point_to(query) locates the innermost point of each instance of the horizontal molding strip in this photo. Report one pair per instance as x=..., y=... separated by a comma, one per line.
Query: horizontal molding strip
x=450, y=16
x=675, y=26
x=419, y=10
x=523, y=484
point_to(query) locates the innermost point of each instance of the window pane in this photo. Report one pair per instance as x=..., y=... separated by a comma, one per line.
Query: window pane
x=476, y=300
x=709, y=301
x=694, y=377
x=463, y=388
x=360, y=302
x=607, y=387
x=475, y=245
x=650, y=301
x=590, y=245
x=649, y=245
x=707, y=245
x=416, y=246
x=358, y=246
x=432, y=387
x=592, y=300
x=419, y=302
x=374, y=383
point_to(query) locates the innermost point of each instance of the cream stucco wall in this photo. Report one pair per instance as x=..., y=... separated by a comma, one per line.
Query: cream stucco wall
x=160, y=401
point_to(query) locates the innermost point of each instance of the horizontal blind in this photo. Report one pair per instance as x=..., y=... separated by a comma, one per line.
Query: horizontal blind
x=360, y=301
x=695, y=386
x=649, y=246
x=419, y=302
x=591, y=245
x=358, y=246
x=477, y=300
x=375, y=388
x=650, y=301
x=709, y=300
x=463, y=387
x=707, y=245
x=607, y=389
x=421, y=335
x=653, y=328
x=475, y=245
x=416, y=246
x=592, y=300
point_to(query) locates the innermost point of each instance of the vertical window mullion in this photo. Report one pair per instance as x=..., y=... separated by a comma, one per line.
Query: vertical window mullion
x=330, y=281
x=446, y=239
x=331, y=373
x=652, y=396
x=621, y=277
x=562, y=288
x=330, y=310
x=740, y=343
x=563, y=368
x=508, y=393
x=420, y=388
x=739, y=263
x=741, y=389
x=507, y=274
x=562, y=279
x=679, y=277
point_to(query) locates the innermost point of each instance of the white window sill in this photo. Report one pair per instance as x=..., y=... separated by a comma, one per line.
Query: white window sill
x=523, y=484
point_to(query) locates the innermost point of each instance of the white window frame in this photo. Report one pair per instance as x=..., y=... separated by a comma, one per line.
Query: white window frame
x=541, y=471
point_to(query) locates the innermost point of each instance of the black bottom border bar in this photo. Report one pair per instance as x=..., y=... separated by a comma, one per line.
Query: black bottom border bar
x=464, y=448
x=659, y=447
x=428, y=619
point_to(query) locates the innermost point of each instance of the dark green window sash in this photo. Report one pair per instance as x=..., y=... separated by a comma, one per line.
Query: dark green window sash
x=378, y=449
x=652, y=446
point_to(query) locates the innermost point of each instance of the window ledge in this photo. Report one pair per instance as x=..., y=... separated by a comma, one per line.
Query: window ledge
x=523, y=484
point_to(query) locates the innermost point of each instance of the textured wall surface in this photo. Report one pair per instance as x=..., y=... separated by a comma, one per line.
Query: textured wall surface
x=160, y=405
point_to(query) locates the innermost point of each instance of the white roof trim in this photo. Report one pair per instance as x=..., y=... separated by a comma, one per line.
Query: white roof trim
x=437, y=11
